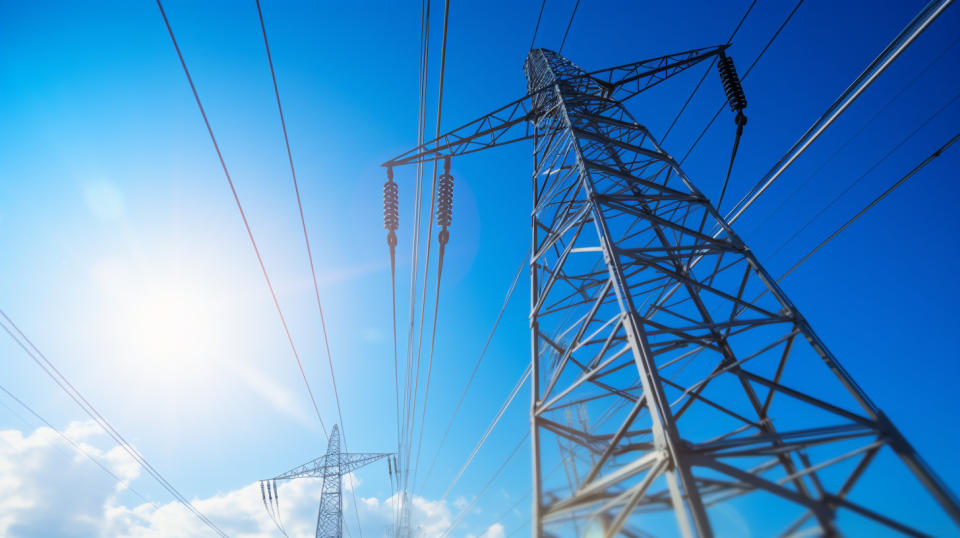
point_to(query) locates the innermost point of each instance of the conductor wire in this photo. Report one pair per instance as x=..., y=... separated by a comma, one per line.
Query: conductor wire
x=306, y=240
x=243, y=215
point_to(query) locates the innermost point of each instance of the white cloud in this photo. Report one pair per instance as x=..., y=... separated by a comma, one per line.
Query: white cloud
x=350, y=482
x=494, y=531
x=48, y=489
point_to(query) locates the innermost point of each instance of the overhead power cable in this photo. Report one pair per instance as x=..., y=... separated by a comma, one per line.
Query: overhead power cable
x=856, y=181
x=246, y=224
x=854, y=136
x=306, y=240
x=124, y=484
x=744, y=77
x=899, y=43
x=486, y=434
x=412, y=381
x=537, y=27
x=904, y=39
x=459, y=518
x=391, y=222
x=737, y=101
x=476, y=366
x=875, y=201
x=48, y=368
x=435, y=211
x=563, y=459
x=859, y=214
x=569, y=24
x=706, y=72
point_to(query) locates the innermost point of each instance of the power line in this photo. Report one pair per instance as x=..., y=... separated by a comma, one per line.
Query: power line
x=569, y=24
x=306, y=240
x=855, y=182
x=410, y=384
x=303, y=222
x=48, y=368
x=875, y=201
x=557, y=467
x=537, y=27
x=426, y=267
x=916, y=26
x=883, y=195
x=476, y=365
x=486, y=434
x=413, y=381
x=706, y=73
x=744, y=77
x=243, y=215
x=904, y=39
x=77, y=447
x=459, y=518
x=854, y=136
x=396, y=367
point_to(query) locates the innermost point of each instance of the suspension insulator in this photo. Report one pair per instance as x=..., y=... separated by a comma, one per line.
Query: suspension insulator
x=391, y=203
x=732, y=87
x=445, y=198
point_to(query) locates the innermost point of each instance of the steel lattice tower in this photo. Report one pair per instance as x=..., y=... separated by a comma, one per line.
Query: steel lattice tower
x=330, y=467
x=696, y=381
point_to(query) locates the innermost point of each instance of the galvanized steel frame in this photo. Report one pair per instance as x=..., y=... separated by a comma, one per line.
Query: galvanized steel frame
x=331, y=467
x=650, y=313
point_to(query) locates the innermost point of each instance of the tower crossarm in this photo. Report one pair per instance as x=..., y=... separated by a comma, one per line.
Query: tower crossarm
x=509, y=123
x=514, y=121
x=351, y=462
x=626, y=81
x=313, y=468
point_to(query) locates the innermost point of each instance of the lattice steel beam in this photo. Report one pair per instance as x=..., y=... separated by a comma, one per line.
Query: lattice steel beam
x=331, y=467
x=696, y=381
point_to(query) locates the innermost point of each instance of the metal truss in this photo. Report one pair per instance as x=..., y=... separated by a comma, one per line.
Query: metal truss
x=696, y=383
x=513, y=122
x=331, y=467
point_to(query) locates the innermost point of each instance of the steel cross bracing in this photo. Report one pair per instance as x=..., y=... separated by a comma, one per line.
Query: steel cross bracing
x=513, y=122
x=705, y=386
x=331, y=467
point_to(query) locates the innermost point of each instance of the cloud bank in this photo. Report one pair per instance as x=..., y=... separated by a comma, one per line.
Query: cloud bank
x=49, y=489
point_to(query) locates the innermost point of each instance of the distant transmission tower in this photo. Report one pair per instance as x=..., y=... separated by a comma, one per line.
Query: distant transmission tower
x=696, y=382
x=330, y=467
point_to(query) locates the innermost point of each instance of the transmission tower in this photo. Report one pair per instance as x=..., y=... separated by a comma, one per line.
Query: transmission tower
x=330, y=467
x=699, y=383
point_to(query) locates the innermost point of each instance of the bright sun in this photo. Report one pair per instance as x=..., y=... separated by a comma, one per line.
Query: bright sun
x=172, y=321
x=166, y=328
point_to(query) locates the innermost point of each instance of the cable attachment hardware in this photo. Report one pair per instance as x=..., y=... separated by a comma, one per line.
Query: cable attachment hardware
x=737, y=101
x=445, y=202
x=732, y=87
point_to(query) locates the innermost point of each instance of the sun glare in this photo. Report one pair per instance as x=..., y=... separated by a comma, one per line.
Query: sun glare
x=167, y=329
x=172, y=322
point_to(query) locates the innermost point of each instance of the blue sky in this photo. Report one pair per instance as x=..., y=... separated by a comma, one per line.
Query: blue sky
x=125, y=260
